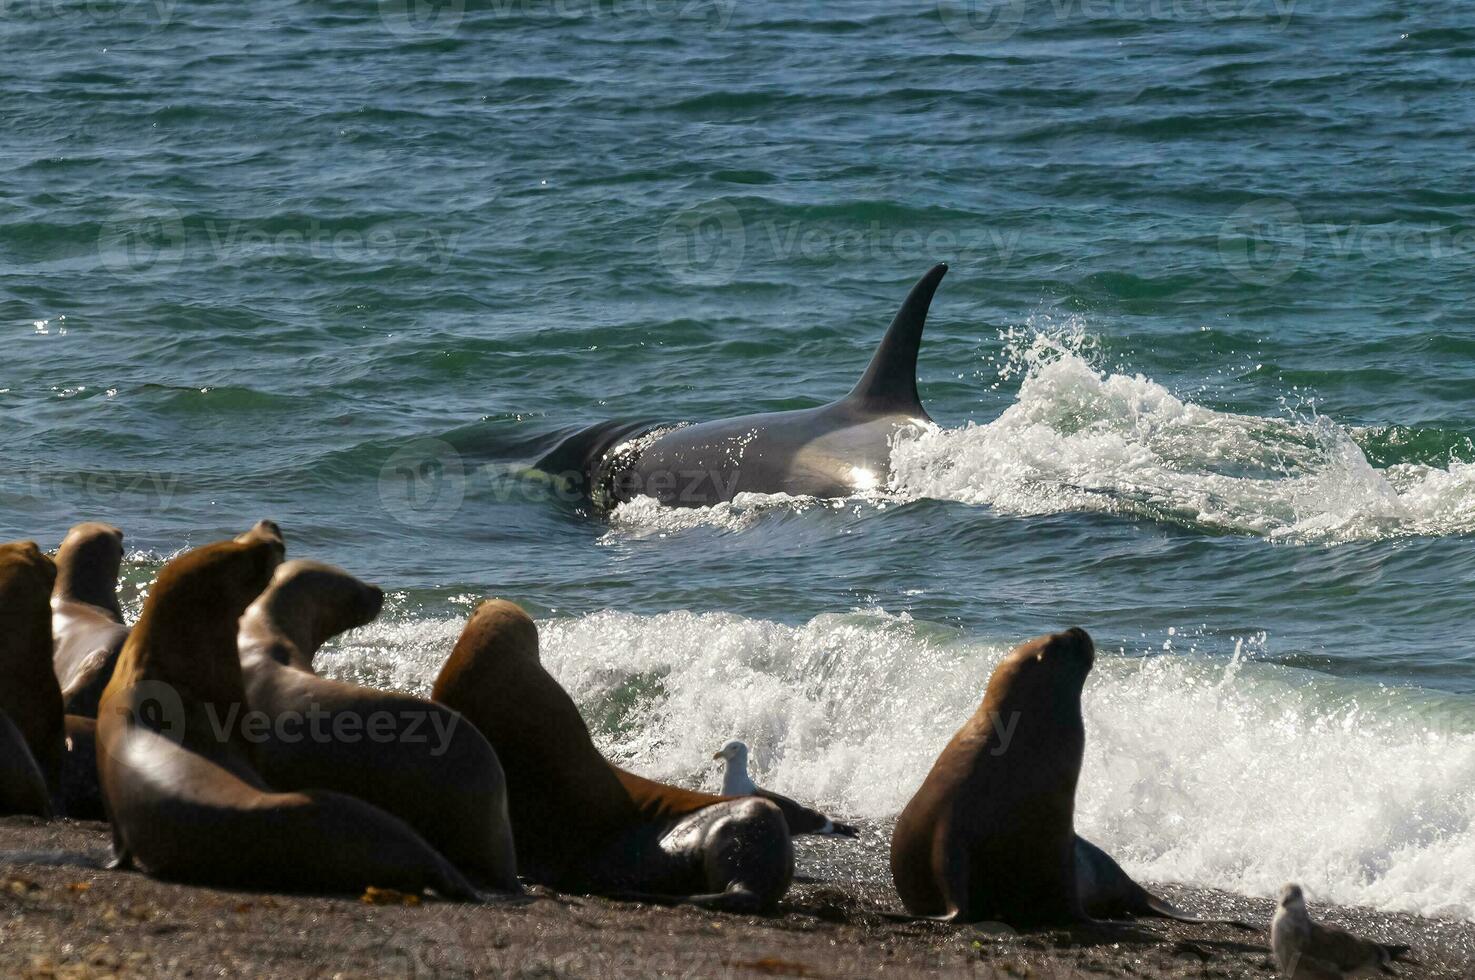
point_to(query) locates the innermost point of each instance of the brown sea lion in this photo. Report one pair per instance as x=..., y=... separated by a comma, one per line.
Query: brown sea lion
x=584, y=825
x=176, y=772
x=990, y=835
x=87, y=635
x=414, y=758
x=86, y=622
x=31, y=727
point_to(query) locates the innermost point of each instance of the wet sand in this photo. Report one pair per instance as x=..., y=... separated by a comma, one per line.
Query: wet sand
x=63, y=915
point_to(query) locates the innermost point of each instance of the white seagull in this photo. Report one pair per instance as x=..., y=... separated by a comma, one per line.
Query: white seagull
x=1307, y=950
x=801, y=819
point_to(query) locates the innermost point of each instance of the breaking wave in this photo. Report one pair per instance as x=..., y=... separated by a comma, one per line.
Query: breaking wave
x=1235, y=773
x=1078, y=438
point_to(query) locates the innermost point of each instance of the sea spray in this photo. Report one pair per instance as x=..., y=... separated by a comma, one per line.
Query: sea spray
x=1079, y=437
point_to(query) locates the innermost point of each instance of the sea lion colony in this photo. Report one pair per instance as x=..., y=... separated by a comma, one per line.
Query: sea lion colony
x=204, y=736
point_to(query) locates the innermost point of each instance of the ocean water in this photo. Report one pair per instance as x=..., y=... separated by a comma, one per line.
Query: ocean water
x=1202, y=371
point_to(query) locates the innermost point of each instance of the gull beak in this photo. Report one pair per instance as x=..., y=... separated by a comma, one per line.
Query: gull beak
x=717, y=754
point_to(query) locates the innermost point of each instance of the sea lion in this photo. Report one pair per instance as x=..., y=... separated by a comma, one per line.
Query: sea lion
x=86, y=622
x=584, y=825
x=87, y=635
x=31, y=726
x=835, y=450
x=413, y=758
x=984, y=836
x=990, y=835
x=185, y=801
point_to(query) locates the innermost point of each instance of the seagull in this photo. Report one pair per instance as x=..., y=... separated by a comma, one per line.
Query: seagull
x=801, y=819
x=1306, y=950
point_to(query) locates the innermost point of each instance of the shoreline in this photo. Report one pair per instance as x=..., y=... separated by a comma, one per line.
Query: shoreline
x=65, y=916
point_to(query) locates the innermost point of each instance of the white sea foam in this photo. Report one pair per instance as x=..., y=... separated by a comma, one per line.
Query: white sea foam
x=646, y=517
x=1081, y=438
x=1239, y=774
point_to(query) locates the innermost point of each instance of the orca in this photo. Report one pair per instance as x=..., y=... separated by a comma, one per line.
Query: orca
x=837, y=450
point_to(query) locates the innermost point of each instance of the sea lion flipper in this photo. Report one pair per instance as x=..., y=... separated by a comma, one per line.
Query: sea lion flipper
x=121, y=860
x=1167, y=910
x=457, y=889
x=23, y=786
x=956, y=866
x=738, y=901
x=508, y=898
x=950, y=918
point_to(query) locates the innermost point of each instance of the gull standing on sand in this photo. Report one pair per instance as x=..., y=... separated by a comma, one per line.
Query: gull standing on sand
x=801, y=819
x=1307, y=950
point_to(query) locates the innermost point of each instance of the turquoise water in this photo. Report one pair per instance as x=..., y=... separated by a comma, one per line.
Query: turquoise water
x=1202, y=369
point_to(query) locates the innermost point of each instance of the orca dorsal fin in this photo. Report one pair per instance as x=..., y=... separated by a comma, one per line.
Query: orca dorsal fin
x=890, y=381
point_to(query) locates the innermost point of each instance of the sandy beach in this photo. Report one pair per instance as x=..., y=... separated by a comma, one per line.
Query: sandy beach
x=65, y=916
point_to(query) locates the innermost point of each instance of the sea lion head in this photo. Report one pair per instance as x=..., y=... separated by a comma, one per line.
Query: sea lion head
x=1291, y=897
x=27, y=576
x=223, y=578
x=263, y=531
x=494, y=664
x=495, y=679
x=1047, y=669
x=87, y=565
x=499, y=635
x=25, y=565
x=311, y=602
x=186, y=634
